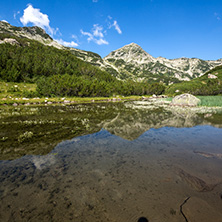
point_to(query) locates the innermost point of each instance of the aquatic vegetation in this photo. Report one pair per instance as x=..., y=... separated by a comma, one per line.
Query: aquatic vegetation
x=49, y=125
x=53, y=124
x=26, y=136
x=172, y=211
x=4, y=138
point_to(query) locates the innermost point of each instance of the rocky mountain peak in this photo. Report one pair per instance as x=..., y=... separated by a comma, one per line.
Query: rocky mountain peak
x=132, y=45
x=131, y=53
x=135, y=63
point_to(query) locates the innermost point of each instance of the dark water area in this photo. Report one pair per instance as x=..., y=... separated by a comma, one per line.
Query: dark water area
x=123, y=163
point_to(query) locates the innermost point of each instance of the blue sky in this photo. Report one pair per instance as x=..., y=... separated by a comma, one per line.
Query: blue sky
x=171, y=29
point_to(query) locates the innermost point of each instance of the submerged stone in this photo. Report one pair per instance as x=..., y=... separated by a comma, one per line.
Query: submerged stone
x=185, y=100
x=143, y=219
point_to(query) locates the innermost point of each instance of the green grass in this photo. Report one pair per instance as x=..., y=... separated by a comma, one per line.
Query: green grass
x=12, y=89
x=19, y=93
x=22, y=93
x=67, y=100
x=210, y=100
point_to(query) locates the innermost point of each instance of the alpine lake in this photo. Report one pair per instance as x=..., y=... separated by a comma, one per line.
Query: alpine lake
x=116, y=161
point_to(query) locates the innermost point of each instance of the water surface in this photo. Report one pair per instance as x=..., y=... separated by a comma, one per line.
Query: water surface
x=124, y=161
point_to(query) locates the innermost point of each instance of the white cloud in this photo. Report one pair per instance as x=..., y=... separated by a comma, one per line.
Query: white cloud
x=15, y=14
x=116, y=26
x=75, y=37
x=87, y=34
x=217, y=16
x=67, y=44
x=97, y=31
x=101, y=42
x=96, y=36
x=42, y=162
x=34, y=16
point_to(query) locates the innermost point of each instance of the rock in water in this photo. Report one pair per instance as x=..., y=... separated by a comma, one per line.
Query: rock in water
x=185, y=100
x=197, y=183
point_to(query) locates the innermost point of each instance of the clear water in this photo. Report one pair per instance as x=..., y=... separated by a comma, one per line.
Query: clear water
x=143, y=164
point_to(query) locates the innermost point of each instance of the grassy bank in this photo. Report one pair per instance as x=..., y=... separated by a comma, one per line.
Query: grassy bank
x=210, y=100
x=65, y=100
x=25, y=93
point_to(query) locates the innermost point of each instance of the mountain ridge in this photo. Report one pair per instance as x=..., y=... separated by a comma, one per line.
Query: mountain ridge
x=181, y=68
x=127, y=62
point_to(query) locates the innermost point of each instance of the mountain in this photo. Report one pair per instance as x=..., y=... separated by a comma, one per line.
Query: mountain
x=57, y=71
x=96, y=60
x=29, y=53
x=128, y=62
x=208, y=84
x=34, y=33
x=133, y=62
x=39, y=34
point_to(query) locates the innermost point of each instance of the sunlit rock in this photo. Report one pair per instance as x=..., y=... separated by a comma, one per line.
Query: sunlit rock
x=185, y=100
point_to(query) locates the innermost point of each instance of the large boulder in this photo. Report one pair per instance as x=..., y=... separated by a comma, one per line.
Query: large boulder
x=185, y=100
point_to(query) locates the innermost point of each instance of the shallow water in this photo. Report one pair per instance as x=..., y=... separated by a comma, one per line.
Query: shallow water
x=139, y=161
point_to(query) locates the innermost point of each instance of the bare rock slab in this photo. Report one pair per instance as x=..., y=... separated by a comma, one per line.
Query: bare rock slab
x=185, y=100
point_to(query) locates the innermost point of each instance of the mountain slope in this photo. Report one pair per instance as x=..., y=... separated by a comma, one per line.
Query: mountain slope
x=128, y=62
x=58, y=72
x=34, y=33
x=38, y=34
x=26, y=55
x=94, y=59
x=133, y=62
x=208, y=84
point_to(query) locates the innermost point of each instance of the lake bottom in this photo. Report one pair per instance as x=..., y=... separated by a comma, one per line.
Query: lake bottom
x=166, y=175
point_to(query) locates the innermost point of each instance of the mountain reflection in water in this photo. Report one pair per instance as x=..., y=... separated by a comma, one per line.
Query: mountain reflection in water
x=142, y=163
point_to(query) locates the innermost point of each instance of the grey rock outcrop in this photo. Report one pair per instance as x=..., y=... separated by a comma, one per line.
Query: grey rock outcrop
x=185, y=100
x=10, y=41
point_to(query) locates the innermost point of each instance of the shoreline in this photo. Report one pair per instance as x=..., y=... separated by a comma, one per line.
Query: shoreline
x=54, y=101
x=63, y=101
